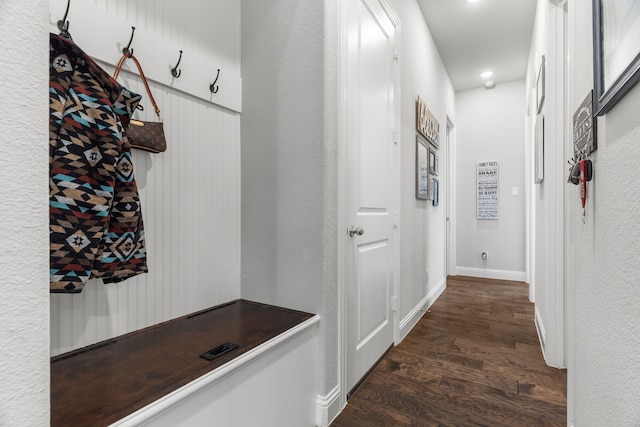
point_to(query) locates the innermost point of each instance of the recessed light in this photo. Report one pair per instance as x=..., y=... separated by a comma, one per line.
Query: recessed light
x=486, y=74
x=472, y=1
x=489, y=84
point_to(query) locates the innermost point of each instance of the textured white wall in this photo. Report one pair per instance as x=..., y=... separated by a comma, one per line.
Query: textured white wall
x=24, y=217
x=422, y=226
x=491, y=128
x=289, y=163
x=605, y=296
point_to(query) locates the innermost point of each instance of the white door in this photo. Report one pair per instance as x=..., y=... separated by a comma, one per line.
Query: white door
x=371, y=185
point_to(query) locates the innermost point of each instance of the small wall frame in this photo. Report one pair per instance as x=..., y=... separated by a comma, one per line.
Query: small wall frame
x=422, y=169
x=540, y=85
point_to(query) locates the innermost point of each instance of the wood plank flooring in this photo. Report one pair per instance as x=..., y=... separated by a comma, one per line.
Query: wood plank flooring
x=473, y=360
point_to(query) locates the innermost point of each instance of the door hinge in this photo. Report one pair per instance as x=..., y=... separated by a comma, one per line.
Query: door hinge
x=395, y=53
x=396, y=223
x=394, y=303
x=395, y=136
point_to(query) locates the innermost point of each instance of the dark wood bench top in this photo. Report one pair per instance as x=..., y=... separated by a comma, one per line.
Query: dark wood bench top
x=104, y=383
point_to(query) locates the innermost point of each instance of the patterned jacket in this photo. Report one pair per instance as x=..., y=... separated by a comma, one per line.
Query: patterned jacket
x=96, y=227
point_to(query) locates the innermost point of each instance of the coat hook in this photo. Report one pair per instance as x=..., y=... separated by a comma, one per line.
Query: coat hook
x=63, y=24
x=127, y=50
x=174, y=71
x=212, y=87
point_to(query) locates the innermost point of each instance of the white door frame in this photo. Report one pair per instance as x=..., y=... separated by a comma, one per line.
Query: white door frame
x=343, y=192
x=450, y=268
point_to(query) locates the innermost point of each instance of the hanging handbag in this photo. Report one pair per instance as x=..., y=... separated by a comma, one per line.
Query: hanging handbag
x=144, y=135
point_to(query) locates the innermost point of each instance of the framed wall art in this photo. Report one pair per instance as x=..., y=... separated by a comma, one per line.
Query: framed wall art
x=616, y=51
x=432, y=161
x=540, y=86
x=422, y=169
x=436, y=192
x=539, y=150
x=431, y=188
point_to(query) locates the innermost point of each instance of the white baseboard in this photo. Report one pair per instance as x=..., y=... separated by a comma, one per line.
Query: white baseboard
x=328, y=407
x=518, y=276
x=415, y=314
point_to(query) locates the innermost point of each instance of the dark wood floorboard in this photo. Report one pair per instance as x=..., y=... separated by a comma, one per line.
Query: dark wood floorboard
x=473, y=360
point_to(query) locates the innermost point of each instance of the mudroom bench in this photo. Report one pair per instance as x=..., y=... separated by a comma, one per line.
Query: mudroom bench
x=241, y=363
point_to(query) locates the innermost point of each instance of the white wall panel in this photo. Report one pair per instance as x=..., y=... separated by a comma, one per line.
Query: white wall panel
x=190, y=194
x=206, y=32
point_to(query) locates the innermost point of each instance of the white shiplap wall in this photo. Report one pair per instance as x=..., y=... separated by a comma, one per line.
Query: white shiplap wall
x=190, y=194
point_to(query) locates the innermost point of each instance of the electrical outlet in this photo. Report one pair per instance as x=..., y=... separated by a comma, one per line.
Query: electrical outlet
x=426, y=275
x=485, y=255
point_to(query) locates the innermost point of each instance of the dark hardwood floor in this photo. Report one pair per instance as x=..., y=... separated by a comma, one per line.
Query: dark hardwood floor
x=473, y=360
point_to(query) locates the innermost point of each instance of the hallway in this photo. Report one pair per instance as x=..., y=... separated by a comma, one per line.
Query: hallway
x=473, y=359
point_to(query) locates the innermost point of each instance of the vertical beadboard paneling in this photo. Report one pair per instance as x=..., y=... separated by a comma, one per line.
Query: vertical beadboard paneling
x=190, y=195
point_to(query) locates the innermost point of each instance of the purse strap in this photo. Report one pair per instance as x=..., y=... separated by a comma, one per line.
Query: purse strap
x=144, y=79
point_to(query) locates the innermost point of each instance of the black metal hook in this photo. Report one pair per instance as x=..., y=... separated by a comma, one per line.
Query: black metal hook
x=212, y=87
x=174, y=71
x=127, y=50
x=63, y=24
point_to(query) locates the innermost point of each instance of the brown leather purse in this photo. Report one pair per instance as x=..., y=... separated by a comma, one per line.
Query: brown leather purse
x=144, y=135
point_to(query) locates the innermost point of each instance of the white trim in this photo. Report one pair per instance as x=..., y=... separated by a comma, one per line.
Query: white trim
x=518, y=276
x=415, y=314
x=540, y=328
x=343, y=202
x=328, y=407
x=451, y=242
x=150, y=411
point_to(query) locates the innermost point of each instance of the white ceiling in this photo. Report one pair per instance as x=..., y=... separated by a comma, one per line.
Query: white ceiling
x=486, y=35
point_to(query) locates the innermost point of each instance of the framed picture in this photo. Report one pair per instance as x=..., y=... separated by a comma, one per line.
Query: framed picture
x=422, y=170
x=431, y=188
x=432, y=161
x=436, y=192
x=540, y=86
x=437, y=168
x=539, y=150
x=616, y=53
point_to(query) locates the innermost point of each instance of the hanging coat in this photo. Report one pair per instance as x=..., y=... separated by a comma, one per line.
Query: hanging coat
x=96, y=227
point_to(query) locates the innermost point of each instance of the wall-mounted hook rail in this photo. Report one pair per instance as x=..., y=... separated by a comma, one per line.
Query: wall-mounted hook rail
x=174, y=71
x=127, y=50
x=213, y=87
x=63, y=24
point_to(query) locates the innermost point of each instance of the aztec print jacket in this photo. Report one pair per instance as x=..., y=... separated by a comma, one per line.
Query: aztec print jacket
x=96, y=227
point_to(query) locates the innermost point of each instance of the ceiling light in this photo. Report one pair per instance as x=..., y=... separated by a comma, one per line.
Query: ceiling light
x=472, y=1
x=489, y=84
x=486, y=74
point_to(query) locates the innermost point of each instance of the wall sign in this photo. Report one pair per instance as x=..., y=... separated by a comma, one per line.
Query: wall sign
x=584, y=128
x=487, y=190
x=426, y=123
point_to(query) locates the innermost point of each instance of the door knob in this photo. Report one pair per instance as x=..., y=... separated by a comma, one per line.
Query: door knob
x=355, y=230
